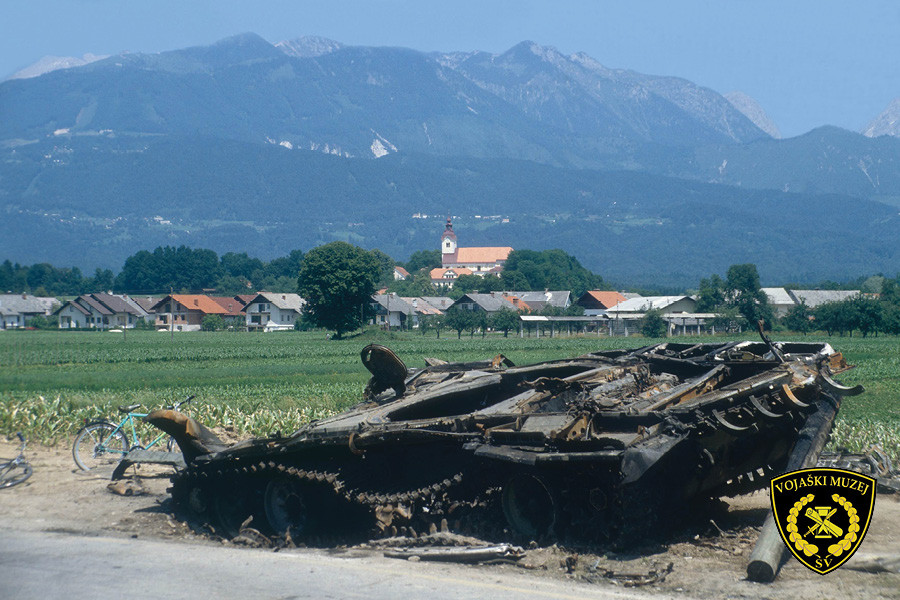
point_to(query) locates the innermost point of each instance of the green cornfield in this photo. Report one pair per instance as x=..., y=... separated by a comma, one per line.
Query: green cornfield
x=254, y=383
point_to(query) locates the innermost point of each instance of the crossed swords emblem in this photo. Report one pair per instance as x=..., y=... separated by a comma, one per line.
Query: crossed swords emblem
x=823, y=528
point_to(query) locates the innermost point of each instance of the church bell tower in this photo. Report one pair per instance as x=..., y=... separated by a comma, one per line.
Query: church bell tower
x=448, y=244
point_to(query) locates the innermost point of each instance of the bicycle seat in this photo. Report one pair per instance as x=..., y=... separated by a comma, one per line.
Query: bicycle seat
x=129, y=408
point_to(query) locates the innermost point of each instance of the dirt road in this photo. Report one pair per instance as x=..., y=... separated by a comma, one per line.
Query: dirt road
x=61, y=501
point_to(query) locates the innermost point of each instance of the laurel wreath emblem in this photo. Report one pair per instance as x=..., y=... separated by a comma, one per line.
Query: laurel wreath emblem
x=835, y=549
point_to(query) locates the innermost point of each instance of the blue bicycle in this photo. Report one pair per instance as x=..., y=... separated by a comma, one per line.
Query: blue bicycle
x=102, y=444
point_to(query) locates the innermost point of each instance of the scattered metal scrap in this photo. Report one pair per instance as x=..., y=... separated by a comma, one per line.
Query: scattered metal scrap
x=874, y=463
x=464, y=554
x=654, y=575
x=600, y=448
x=875, y=563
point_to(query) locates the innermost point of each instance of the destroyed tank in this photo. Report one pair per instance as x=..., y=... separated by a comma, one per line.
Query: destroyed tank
x=599, y=448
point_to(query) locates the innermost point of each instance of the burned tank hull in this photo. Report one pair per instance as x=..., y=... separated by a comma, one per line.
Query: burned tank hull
x=597, y=448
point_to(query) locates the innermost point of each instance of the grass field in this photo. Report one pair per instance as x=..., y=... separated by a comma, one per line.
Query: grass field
x=50, y=381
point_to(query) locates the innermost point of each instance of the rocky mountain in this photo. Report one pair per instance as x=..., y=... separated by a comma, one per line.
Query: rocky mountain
x=528, y=103
x=248, y=146
x=887, y=123
x=308, y=46
x=54, y=63
x=751, y=109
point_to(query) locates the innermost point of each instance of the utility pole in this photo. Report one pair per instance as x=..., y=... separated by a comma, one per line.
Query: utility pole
x=171, y=315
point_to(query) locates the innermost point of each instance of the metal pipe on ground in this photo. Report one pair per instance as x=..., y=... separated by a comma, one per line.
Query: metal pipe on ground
x=770, y=551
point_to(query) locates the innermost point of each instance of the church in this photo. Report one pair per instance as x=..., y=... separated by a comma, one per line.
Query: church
x=478, y=260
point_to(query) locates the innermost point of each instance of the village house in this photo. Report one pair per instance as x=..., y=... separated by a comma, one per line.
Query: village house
x=442, y=303
x=479, y=260
x=100, y=311
x=17, y=309
x=814, y=298
x=234, y=305
x=404, y=312
x=185, y=312
x=392, y=312
x=489, y=303
x=270, y=311
x=448, y=276
x=537, y=301
x=597, y=302
x=664, y=304
x=780, y=300
x=625, y=317
x=400, y=274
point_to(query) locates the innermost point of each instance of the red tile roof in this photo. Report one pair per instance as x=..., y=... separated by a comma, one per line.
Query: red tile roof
x=483, y=255
x=204, y=304
x=230, y=304
x=440, y=273
x=606, y=299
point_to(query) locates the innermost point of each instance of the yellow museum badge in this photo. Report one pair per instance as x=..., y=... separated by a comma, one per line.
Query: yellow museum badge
x=822, y=514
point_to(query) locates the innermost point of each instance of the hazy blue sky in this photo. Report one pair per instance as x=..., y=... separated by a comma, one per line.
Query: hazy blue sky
x=808, y=62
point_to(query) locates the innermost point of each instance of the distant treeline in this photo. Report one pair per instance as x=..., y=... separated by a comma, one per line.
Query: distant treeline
x=184, y=269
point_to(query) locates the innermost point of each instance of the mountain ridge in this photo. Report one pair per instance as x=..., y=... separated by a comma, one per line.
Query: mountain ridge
x=248, y=146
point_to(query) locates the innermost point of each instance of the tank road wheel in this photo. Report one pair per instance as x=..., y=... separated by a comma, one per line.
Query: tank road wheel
x=233, y=504
x=528, y=506
x=289, y=506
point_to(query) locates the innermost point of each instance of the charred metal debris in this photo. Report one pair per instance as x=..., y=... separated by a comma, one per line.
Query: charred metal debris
x=598, y=449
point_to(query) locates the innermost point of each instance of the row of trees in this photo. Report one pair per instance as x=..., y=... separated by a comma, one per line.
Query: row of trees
x=187, y=269
x=462, y=320
x=863, y=314
x=165, y=268
x=739, y=302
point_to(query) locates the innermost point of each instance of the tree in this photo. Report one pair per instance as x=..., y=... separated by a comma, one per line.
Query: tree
x=337, y=281
x=479, y=320
x=429, y=322
x=515, y=281
x=240, y=265
x=42, y=322
x=170, y=268
x=653, y=325
x=480, y=285
x=890, y=319
x=386, y=266
x=230, y=286
x=729, y=319
x=834, y=317
x=504, y=320
x=743, y=292
x=890, y=291
x=548, y=269
x=423, y=259
x=458, y=319
x=798, y=318
x=711, y=295
x=286, y=266
x=212, y=323
x=418, y=284
x=868, y=314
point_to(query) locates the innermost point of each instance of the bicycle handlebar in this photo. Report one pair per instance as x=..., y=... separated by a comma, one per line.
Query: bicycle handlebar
x=178, y=405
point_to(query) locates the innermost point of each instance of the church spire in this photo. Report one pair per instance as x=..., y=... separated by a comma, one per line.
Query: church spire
x=448, y=243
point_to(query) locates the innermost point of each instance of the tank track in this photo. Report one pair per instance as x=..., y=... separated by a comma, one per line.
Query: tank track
x=427, y=506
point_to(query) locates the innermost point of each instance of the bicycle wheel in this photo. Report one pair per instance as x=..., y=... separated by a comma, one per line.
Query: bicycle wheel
x=99, y=445
x=172, y=445
x=14, y=474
